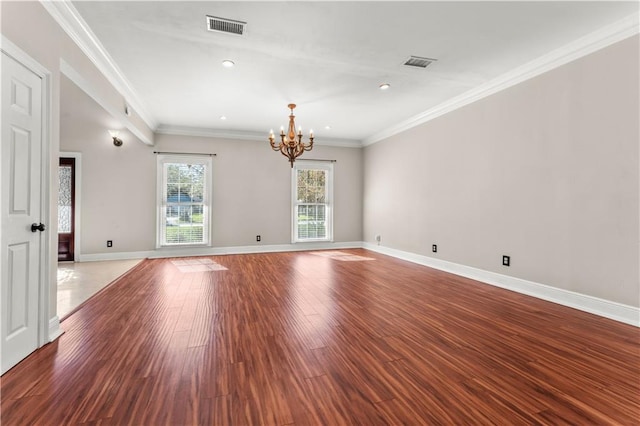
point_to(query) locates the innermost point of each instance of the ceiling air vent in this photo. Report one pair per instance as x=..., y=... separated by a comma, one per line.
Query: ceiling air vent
x=224, y=25
x=417, y=61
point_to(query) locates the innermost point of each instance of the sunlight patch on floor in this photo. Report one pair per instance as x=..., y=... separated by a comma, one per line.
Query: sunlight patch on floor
x=341, y=256
x=197, y=265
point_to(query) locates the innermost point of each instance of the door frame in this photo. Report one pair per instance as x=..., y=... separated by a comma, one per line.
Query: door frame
x=77, y=200
x=48, y=327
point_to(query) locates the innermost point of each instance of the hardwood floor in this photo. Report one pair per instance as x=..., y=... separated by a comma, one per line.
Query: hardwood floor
x=77, y=282
x=314, y=338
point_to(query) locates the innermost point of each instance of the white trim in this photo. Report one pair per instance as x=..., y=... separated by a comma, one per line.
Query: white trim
x=48, y=250
x=96, y=257
x=161, y=204
x=312, y=165
x=47, y=240
x=212, y=251
x=245, y=135
x=67, y=16
x=54, y=329
x=274, y=248
x=605, y=308
x=601, y=307
x=19, y=55
x=583, y=46
x=77, y=227
x=86, y=87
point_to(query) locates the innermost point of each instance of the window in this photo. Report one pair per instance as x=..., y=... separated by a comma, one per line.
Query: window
x=312, y=184
x=184, y=185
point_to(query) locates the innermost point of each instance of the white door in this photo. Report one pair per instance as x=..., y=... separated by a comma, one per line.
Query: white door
x=20, y=177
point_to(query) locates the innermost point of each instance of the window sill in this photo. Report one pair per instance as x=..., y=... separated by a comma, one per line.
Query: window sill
x=187, y=245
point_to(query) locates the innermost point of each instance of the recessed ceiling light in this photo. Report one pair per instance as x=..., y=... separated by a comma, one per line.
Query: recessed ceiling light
x=222, y=117
x=384, y=86
x=227, y=63
x=327, y=127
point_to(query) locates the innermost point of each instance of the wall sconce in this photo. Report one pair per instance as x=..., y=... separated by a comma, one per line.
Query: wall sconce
x=116, y=140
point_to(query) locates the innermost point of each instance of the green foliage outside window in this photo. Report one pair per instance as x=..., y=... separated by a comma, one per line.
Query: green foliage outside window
x=184, y=203
x=311, y=209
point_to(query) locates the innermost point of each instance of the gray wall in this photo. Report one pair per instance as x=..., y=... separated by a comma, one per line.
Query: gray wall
x=30, y=27
x=545, y=171
x=117, y=196
x=252, y=189
x=251, y=183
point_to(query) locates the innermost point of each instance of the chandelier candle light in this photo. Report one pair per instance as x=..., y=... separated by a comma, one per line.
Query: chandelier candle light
x=291, y=145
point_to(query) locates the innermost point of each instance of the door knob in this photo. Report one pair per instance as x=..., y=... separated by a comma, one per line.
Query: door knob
x=37, y=227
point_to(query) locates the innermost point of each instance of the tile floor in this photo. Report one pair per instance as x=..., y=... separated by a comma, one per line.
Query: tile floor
x=77, y=282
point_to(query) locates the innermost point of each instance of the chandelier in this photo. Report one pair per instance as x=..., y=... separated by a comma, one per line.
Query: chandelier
x=291, y=145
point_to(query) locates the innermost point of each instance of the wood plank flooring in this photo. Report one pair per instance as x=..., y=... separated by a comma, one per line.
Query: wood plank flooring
x=314, y=339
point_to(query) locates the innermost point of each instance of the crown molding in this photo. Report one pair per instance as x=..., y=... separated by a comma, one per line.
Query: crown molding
x=583, y=46
x=68, y=17
x=87, y=88
x=244, y=135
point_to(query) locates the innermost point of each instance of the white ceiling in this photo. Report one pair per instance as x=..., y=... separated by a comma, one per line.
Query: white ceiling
x=327, y=57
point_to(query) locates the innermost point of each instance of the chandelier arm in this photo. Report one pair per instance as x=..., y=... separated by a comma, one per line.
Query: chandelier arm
x=291, y=144
x=292, y=153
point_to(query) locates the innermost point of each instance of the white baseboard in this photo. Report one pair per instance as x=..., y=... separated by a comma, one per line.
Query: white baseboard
x=54, y=329
x=212, y=251
x=209, y=251
x=604, y=308
x=115, y=256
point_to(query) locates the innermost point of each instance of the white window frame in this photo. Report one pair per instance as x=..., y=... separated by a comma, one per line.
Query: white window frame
x=312, y=165
x=161, y=198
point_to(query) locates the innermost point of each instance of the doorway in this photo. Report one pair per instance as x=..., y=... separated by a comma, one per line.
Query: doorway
x=66, y=209
x=23, y=209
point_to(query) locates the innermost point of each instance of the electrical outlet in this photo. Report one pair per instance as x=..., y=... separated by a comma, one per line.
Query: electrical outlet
x=506, y=260
x=434, y=248
x=258, y=238
x=109, y=243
